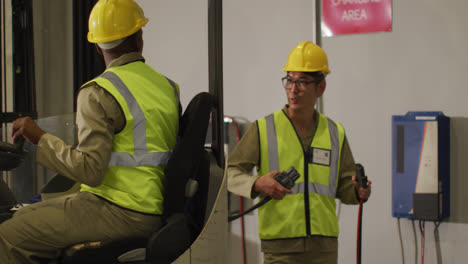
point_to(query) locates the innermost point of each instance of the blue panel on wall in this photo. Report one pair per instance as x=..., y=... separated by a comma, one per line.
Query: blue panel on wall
x=408, y=132
x=404, y=179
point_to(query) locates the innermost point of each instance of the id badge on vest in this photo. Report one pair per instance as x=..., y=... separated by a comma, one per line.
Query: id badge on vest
x=321, y=156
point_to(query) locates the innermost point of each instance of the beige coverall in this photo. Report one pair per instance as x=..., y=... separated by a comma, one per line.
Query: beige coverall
x=41, y=230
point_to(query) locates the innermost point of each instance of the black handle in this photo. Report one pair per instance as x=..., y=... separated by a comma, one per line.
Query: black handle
x=288, y=178
x=361, y=177
x=19, y=143
x=285, y=178
x=16, y=148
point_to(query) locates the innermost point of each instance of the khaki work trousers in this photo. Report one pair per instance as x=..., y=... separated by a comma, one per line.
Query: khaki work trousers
x=312, y=250
x=39, y=231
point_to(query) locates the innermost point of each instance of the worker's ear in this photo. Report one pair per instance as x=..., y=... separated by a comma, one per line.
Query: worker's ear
x=321, y=88
x=98, y=49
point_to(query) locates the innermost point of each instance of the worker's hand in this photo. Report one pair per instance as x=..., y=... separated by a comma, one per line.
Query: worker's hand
x=268, y=186
x=363, y=193
x=27, y=128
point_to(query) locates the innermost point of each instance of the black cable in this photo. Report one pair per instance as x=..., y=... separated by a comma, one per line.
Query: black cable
x=262, y=202
x=421, y=228
x=401, y=242
x=437, y=242
x=415, y=242
x=361, y=179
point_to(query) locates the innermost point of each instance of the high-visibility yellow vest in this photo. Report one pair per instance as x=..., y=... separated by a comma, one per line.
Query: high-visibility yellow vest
x=310, y=209
x=135, y=176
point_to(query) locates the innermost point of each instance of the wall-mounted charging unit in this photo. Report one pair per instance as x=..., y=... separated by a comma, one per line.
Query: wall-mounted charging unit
x=421, y=166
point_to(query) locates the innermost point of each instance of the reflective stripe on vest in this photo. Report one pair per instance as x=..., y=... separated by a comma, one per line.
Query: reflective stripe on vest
x=141, y=156
x=325, y=190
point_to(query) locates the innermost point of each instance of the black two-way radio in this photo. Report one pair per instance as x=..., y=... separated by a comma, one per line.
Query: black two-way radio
x=285, y=178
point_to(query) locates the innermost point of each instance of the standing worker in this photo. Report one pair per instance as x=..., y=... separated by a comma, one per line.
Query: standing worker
x=298, y=225
x=127, y=121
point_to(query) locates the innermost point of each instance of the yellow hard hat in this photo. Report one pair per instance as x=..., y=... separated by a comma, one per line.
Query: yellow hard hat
x=114, y=19
x=307, y=57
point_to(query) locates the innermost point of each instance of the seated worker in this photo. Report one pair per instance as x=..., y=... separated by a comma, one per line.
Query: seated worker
x=127, y=122
x=298, y=225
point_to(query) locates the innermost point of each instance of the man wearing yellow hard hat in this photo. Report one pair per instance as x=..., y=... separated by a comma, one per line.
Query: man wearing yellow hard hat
x=298, y=225
x=127, y=120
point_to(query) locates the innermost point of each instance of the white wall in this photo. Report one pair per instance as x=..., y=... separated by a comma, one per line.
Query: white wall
x=176, y=43
x=418, y=66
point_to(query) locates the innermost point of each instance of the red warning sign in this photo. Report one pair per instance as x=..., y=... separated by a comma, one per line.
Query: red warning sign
x=356, y=16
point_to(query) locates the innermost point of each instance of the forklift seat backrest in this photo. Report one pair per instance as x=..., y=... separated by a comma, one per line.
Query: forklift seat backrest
x=183, y=216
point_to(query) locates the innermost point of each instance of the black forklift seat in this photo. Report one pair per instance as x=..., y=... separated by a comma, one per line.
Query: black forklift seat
x=11, y=157
x=185, y=200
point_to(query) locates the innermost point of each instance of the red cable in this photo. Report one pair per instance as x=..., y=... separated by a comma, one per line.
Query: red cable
x=358, y=242
x=240, y=198
x=235, y=127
